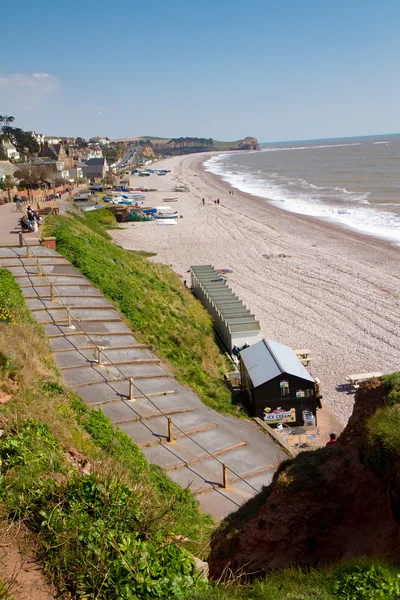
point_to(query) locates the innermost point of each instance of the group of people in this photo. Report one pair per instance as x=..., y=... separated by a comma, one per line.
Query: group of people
x=216, y=201
x=31, y=221
x=236, y=350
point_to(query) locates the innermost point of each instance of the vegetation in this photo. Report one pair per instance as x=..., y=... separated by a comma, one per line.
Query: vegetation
x=160, y=310
x=107, y=523
x=191, y=142
x=22, y=140
x=380, y=447
x=362, y=579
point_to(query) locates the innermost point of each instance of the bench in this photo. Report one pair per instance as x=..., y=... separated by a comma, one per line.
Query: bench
x=357, y=378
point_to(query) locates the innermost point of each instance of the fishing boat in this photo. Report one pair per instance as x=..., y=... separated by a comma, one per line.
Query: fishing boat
x=170, y=199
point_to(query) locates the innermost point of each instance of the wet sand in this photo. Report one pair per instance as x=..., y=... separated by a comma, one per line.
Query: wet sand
x=310, y=284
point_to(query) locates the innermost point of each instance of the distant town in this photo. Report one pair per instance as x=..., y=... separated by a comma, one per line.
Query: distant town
x=31, y=161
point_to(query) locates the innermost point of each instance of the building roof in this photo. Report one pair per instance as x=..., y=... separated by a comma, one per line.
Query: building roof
x=267, y=359
x=95, y=161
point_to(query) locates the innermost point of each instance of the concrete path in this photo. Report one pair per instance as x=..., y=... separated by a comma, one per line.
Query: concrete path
x=203, y=438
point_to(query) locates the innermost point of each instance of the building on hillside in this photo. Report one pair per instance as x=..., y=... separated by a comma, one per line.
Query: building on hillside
x=277, y=386
x=101, y=141
x=57, y=168
x=95, y=168
x=85, y=154
x=6, y=168
x=39, y=137
x=10, y=150
x=76, y=172
x=56, y=152
x=51, y=139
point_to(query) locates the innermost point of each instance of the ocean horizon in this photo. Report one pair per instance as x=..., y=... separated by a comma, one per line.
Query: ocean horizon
x=351, y=181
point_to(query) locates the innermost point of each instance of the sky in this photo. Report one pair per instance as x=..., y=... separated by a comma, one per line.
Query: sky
x=275, y=70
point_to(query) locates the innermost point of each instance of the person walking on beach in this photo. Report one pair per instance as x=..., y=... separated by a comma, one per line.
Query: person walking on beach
x=217, y=200
x=203, y=201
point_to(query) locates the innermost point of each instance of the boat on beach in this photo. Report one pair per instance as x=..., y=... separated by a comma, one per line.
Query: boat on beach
x=166, y=216
x=170, y=199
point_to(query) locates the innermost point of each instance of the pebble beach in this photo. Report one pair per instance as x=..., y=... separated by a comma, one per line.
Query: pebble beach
x=311, y=284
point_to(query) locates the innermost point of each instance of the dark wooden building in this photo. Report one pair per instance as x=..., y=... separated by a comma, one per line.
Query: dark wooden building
x=277, y=386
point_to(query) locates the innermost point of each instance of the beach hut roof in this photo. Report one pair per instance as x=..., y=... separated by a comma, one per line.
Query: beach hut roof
x=268, y=359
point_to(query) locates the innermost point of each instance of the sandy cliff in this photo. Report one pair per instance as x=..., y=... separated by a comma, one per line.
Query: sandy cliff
x=320, y=507
x=249, y=143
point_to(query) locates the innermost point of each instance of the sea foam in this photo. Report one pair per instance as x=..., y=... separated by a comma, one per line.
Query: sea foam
x=336, y=204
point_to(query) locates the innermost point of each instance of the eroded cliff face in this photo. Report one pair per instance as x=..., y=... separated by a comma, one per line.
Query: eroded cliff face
x=249, y=143
x=322, y=506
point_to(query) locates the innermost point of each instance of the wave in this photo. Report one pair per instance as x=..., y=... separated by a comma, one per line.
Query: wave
x=277, y=149
x=339, y=205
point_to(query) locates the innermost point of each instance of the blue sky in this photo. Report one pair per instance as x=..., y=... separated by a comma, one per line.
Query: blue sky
x=277, y=70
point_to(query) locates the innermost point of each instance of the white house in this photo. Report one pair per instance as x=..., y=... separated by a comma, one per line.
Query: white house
x=10, y=150
x=51, y=139
x=39, y=137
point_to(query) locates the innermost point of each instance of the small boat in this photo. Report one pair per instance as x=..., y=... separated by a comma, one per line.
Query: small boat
x=160, y=216
x=170, y=199
x=167, y=222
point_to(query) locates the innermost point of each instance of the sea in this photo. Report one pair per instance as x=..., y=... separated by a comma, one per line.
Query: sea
x=354, y=182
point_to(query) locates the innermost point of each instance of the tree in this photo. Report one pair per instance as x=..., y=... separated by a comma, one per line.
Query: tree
x=24, y=142
x=33, y=175
x=7, y=184
x=6, y=120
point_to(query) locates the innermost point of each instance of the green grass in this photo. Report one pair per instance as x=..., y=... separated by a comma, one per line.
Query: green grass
x=160, y=310
x=110, y=533
x=380, y=445
x=361, y=579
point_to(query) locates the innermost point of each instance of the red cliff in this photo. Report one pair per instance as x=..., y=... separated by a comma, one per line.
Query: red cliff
x=321, y=506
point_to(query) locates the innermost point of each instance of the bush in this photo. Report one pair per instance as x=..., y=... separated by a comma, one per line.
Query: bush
x=93, y=530
x=366, y=582
x=12, y=303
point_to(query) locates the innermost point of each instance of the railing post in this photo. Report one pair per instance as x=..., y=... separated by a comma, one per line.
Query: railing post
x=39, y=270
x=28, y=254
x=131, y=398
x=52, y=298
x=170, y=437
x=100, y=356
x=21, y=240
x=224, y=476
x=69, y=322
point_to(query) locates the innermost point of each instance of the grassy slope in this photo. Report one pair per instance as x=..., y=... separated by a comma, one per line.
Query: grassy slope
x=161, y=311
x=123, y=511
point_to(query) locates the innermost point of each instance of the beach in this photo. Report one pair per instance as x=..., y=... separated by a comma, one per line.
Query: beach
x=311, y=284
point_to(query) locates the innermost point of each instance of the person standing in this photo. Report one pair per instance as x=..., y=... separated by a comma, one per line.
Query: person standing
x=318, y=392
x=203, y=201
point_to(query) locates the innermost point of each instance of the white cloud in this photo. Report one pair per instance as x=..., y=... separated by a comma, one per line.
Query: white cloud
x=19, y=90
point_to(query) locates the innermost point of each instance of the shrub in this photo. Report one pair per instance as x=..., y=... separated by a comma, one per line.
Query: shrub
x=366, y=582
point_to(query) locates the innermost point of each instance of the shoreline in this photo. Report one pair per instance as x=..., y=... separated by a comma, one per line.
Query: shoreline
x=311, y=284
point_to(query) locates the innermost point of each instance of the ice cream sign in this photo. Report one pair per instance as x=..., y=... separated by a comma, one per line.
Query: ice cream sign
x=279, y=415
